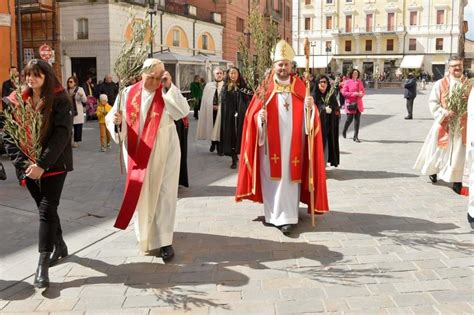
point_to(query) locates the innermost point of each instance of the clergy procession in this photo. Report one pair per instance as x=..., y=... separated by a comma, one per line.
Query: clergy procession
x=277, y=146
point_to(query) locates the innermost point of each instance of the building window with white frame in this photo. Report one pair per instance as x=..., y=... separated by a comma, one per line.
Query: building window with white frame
x=205, y=42
x=348, y=23
x=307, y=2
x=391, y=21
x=329, y=22
x=176, y=36
x=439, y=44
x=368, y=45
x=349, y=1
x=412, y=44
x=82, y=28
x=389, y=44
x=329, y=1
x=348, y=46
x=369, y=21
x=307, y=24
x=413, y=18
x=440, y=17
x=328, y=46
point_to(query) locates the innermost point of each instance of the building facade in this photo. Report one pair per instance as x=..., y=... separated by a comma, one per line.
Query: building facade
x=92, y=34
x=378, y=37
x=235, y=16
x=8, y=53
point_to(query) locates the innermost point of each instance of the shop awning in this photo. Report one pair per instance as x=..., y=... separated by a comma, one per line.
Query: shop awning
x=412, y=62
x=317, y=61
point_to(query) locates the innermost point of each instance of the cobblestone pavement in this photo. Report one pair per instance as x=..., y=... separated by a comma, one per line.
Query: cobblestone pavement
x=393, y=243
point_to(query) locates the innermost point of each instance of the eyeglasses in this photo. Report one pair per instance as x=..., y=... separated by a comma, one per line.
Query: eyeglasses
x=458, y=65
x=321, y=82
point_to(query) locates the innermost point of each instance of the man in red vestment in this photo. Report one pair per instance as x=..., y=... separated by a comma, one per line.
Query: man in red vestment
x=274, y=164
x=145, y=113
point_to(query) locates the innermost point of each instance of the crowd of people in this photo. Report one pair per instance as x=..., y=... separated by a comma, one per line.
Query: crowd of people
x=280, y=138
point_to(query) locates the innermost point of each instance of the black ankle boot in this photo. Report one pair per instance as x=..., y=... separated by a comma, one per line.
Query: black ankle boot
x=234, y=161
x=59, y=252
x=42, y=275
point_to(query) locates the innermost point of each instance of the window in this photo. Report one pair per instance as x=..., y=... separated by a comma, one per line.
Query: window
x=205, y=42
x=369, y=21
x=439, y=44
x=288, y=13
x=329, y=22
x=240, y=25
x=348, y=45
x=439, y=17
x=307, y=24
x=328, y=46
x=307, y=2
x=413, y=18
x=368, y=45
x=412, y=44
x=176, y=35
x=348, y=23
x=349, y=1
x=329, y=2
x=82, y=28
x=391, y=22
x=389, y=44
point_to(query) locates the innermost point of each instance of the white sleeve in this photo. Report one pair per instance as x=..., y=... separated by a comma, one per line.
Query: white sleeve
x=435, y=103
x=119, y=105
x=175, y=103
x=261, y=133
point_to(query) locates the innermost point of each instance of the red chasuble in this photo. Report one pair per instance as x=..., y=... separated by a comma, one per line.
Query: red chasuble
x=139, y=148
x=248, y=180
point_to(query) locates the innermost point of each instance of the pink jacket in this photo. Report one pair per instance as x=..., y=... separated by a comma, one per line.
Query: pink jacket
x=351, y=87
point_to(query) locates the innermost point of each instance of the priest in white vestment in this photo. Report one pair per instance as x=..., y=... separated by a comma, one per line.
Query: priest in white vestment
x=273, y=168
x=443, y=153
x=209, y=123
x=143, y=119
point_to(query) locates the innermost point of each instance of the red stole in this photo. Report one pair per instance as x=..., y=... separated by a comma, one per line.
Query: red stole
x=139, y=149
x=274, y=146
x=443, y=130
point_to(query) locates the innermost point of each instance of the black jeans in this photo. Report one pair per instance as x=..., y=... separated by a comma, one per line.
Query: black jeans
x=46, y=196
x=410, y=106
x=77, y=132
x=350, y=118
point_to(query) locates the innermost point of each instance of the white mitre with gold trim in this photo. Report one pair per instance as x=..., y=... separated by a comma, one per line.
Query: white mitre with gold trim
x=283, y=51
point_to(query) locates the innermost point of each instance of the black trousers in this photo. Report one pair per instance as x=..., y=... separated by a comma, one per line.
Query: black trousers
x=410, y=106
x=350, y=118
x=47, y=195
x=77, y=132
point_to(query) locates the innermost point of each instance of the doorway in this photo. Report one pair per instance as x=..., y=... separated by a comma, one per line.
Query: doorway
x=84, y=67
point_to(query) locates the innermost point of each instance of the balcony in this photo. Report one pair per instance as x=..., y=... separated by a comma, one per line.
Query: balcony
x=390, y=30
x=82, y=35
x=36, y=6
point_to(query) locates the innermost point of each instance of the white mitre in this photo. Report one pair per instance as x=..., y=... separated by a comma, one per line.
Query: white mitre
x=283, y=51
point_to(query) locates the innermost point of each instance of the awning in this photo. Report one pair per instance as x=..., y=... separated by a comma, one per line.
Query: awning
x=412, y=62
x=171, y=57
x=316, y=61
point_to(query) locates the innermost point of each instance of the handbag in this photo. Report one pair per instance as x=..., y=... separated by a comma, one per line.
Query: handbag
x=3, y=174
x=351, y=106
x=74, y=106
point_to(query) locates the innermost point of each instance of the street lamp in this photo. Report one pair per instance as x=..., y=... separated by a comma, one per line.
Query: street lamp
x=313, y=45
x=328, y=49
x=151, y=11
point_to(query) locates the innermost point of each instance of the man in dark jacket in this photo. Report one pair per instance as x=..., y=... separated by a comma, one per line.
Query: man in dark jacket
x=410, y=94
x=109, y=88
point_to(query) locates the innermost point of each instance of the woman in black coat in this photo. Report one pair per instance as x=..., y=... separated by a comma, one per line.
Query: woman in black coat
x=329, y=113
x=235, y=98
x=45, y=178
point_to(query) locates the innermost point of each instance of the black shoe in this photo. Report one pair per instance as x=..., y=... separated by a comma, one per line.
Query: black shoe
x=42, y=274
x=286, y=229
x=59, y=252
x=356, y=139
x=457, y=188
x=470, y=220
x=167, y=252
x=408, y=117
x=344, y=133
x=233, y=165
x=433, y=178
x=213, y=147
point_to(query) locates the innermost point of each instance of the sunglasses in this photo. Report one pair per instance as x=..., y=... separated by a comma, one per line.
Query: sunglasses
x=325, y=82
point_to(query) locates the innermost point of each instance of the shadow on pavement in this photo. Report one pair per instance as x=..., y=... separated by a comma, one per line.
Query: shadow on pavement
x=393, y=141
x=24, y=289
x=344, y=174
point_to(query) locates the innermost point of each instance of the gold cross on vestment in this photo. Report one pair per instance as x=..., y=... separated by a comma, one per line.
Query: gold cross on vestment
x=295, y=161
x=286, y=105
x=275, y=158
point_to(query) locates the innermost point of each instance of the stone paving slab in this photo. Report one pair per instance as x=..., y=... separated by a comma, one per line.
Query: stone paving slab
x=393, y=243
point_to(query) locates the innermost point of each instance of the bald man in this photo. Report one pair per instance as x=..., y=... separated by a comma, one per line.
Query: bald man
x=144, y=116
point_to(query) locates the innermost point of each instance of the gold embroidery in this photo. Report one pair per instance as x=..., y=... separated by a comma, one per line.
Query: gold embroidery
x=296, y=161
x=275, y=158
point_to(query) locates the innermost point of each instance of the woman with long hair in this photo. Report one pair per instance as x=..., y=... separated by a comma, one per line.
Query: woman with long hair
x=324, y=95
x=353, y=92
x=45, y=178
x=78, y=96
x=235, y=98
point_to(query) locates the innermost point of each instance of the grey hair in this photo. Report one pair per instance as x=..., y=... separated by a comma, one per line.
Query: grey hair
x=455, y=58
x=150, y=63
x=216, y=69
